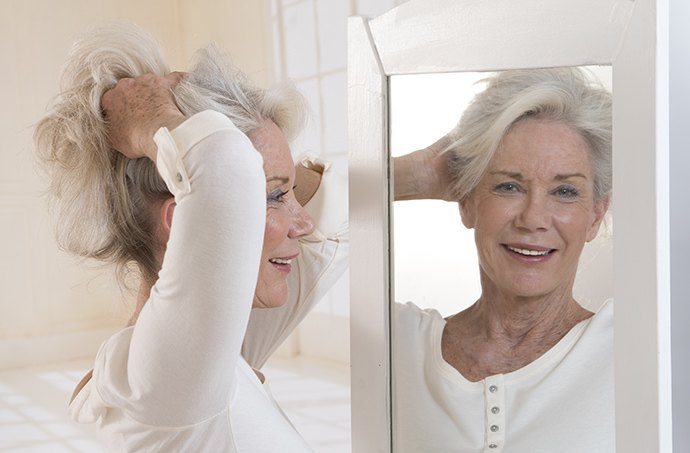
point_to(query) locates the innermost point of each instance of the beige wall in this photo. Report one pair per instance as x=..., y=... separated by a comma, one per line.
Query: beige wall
x=43, y=292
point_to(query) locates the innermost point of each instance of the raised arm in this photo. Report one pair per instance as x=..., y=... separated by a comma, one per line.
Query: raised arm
x=423, y=174
x=181, y=359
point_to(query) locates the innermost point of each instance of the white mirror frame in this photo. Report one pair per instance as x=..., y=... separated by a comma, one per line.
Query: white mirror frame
x=431, y=36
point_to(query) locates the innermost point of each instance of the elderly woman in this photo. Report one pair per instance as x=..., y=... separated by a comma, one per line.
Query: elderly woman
x=526, y=368
x=190, y=180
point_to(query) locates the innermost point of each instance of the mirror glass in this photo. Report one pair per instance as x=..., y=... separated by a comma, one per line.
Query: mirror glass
x=435, y=259
x=435, y=264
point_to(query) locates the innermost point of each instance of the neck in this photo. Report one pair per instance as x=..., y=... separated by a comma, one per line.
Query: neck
x=142, y=297
x=501, y=332
x=516, y=321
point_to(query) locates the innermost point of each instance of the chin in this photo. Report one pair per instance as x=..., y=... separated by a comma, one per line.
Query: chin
x=269, y=300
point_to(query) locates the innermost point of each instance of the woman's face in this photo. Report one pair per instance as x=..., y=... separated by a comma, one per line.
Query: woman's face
x=286, y=220
x=534, y=209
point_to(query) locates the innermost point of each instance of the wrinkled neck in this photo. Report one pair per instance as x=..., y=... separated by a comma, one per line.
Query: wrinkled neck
x=517, y=320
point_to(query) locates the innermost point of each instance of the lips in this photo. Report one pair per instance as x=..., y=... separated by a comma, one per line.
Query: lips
x=528, y=252
x=284, y=263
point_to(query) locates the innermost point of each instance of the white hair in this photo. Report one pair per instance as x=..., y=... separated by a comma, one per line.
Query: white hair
x=559, y=94
x=102, y=200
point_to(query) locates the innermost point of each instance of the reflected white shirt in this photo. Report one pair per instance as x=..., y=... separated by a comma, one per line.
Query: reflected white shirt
x=563, y=401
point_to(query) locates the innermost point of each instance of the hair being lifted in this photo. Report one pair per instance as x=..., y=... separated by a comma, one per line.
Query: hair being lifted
x=105, y=203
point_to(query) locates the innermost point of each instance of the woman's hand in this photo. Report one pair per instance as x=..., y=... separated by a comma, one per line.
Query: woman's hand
x=136, y=108
x=423, y=174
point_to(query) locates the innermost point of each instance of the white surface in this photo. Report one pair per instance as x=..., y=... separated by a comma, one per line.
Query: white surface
x=640, y=181
x=474, y=35
x=300, y=40
x=332, y=28
x=369, y=258
x=309, y=140
x=335, y=112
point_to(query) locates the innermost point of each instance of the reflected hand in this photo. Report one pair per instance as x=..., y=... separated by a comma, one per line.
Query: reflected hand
x=424, y=174
x=136, y=108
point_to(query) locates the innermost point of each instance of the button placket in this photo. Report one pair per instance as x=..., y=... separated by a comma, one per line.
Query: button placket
x=494, y=404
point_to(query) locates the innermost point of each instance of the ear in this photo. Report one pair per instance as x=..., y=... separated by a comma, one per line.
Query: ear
x=166, y=210
x=468, y=212
x=600, y=208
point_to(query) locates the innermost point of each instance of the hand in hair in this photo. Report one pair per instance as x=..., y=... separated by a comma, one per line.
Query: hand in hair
x=136, y=108
x=424, y=174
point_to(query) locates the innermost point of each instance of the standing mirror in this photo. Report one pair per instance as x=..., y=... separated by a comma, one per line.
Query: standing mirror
x=443, y=305
x=450, y=36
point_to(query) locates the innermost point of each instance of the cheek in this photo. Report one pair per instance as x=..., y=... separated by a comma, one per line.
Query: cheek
x=574, y=221
x=276, y=228
x=493, y=214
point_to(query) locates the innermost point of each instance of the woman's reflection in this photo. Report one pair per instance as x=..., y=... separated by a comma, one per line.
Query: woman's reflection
x=526, y=368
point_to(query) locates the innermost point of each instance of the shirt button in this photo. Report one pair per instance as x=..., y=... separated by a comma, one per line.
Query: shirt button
x=493, y=389
x=179, y=177
x=495, y=410
x=493, y=446
x=494, y=428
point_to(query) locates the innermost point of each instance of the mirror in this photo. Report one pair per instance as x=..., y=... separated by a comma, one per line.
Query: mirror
x=442, y=388
x=447, y=36
x=435, y=259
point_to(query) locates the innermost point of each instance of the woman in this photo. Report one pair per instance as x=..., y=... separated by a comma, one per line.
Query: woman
x=190, y=179
x=526, y=368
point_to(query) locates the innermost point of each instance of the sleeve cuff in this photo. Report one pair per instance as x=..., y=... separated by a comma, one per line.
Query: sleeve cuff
x=174, y=145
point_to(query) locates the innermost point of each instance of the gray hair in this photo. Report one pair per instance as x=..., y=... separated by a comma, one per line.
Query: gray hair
x=558, y=94
x=103, y=202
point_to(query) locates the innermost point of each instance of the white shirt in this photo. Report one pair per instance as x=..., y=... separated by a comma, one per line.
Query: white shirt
x=562, y=402
x=176, y=382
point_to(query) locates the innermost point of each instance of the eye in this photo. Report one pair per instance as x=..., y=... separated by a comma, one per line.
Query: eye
x=507, y=187
x=567, y=192
x=277, y=196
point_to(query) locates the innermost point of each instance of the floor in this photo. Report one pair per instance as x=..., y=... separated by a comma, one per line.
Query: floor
x=314, y=394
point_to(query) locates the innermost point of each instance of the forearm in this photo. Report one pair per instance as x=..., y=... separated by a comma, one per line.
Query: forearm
x=411, y=178
x=423, y=174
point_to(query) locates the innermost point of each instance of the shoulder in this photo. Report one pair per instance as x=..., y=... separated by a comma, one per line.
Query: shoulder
x=416, y=320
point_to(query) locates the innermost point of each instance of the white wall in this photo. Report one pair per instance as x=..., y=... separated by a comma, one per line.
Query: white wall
x=47, y=299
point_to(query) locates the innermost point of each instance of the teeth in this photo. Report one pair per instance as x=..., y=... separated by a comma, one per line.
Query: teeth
x=529, y=252
x=279, y=261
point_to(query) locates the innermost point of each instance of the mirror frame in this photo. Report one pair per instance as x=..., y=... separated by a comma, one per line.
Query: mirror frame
x=432, y=36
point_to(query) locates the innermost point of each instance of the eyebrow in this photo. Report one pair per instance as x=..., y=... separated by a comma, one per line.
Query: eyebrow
x=282, y=179
x=519, y=176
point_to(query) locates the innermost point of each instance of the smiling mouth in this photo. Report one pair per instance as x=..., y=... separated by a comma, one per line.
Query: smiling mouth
x=529, y=252
x=283, y=264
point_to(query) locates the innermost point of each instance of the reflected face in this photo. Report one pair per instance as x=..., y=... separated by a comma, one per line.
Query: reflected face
x=534, y=209
x=286, y=219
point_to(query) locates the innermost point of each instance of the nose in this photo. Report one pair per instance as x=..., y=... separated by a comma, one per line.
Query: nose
x=302, y=223
x=535, y=212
